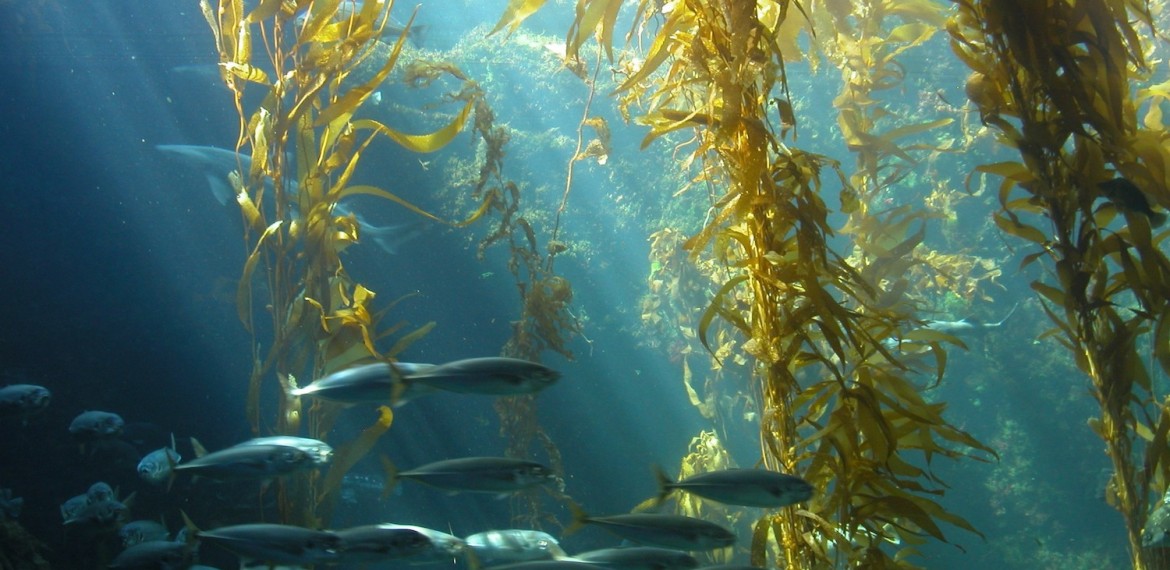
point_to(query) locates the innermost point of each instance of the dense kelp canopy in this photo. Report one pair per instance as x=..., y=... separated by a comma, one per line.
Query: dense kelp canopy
x=779, y=285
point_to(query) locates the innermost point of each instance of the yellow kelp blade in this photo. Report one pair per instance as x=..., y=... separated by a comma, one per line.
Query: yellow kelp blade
x=429, y=142
x=244, y=291
x=339, y=112
x=516, y=12
x=265, y=10
x=246, y=72
x=589, y=14
x=320, y=14
x=348, y=455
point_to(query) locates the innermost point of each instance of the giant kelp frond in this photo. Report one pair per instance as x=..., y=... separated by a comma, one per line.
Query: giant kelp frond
x=780, y=304
x=1057, y=80
x=306, y=144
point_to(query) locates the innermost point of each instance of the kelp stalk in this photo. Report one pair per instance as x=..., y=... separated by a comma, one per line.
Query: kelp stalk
x=1056, y=80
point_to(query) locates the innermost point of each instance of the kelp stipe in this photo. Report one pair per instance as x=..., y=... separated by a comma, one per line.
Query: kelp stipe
x=322, y=320
x=777, y=304
x=1057, y=81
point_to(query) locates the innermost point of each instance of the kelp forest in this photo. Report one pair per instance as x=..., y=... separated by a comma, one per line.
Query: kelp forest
x=813, y=216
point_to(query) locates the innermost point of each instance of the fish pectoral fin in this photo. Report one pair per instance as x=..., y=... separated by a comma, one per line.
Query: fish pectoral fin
x=219, y=189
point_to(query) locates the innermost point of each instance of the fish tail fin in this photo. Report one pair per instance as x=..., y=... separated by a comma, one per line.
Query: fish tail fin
x=192, y=530
x=170, y=466
x=580, y=518
x=391, y=238
x=418, y=34
x=665, y=485
x=391, y=476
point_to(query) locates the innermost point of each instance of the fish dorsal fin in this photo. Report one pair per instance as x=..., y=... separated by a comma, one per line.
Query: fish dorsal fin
x=200, y=451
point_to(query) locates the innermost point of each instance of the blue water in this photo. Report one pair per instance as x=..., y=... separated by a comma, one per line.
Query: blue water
x=119, y=272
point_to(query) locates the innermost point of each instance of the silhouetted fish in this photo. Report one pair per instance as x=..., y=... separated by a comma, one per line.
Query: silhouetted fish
x=1125, y=195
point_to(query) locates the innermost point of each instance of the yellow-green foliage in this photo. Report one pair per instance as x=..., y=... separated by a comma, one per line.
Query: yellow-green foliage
x=321, y=319
x=780, y=306
x=1058, y=81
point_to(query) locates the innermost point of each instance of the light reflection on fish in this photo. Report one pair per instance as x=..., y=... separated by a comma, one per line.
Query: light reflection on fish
x=376, y=383
x=250, y=461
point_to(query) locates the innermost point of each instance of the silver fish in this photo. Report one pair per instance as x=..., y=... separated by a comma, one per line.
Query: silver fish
x=156, y=467
x=382, y=542
x=443, y=547
x=320, y=452
x=493, y=376
x=963, y=326
x=478, y=474
x=379, y=382
x=23, y=400
x=668, y=531
x=744, y=487
x=513, y=545
x=95, y=424
x=137, y=532
x=154, y=555
x=249, y=461
x=277, y=543
x=639, y=558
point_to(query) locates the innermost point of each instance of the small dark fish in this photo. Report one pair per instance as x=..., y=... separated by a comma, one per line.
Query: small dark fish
x=89, y=426
x=744, y=487
x=513, y=545
x=667, y=531
x=1156, y=533
x=478, y=474
x=154, y=555
x=377, y=383
x=23, y=401
x=104, y=514
x=383, y=542
x=639, y=558
x=72, y=506
x=1125, y=195
x=156, y=467
x=137, y=532
x=493, y=376
x=249, y=462
x=100, y=491
x=277, y=543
